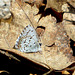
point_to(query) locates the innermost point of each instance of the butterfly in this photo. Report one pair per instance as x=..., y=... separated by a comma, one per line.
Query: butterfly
x=28, y=40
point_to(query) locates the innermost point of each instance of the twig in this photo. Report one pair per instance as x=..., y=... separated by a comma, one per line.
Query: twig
x=9, y=55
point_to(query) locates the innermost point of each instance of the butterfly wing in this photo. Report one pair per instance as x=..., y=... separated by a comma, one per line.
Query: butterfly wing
x=28, y=40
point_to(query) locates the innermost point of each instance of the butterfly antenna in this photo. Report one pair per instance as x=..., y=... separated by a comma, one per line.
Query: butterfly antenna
x=24, y=13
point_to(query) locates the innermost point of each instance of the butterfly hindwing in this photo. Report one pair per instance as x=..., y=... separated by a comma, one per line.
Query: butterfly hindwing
x=28, y=40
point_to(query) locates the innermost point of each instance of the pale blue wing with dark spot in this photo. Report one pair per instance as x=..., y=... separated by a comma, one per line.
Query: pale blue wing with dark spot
x=28, y=40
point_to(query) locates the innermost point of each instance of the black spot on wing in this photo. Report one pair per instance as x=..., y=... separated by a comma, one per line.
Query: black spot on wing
x=24, y=48
x=29, y=40
x=23, y=31
x=30, y=45
x=25, y=28
x=26, y=45
x=30, y=37
x=40, y=44
x=25, y=41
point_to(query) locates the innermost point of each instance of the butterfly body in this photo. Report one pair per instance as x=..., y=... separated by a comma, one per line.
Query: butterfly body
x=28, y=40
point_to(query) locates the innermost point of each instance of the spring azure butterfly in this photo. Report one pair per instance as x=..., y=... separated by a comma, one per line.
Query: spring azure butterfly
x=28, y=40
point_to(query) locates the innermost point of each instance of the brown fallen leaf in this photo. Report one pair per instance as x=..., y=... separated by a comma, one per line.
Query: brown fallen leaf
x=55, y=4
x=74, y=44
x=48, y=11
x=69, y=18
x=56, y=57
x=73, y=73
x=70, y=29
x=5, y=9
x=71, y=2
x=62, y=41
x=65, y=72
x=40, y=31
x=38, y=3
x=49, y=22
x=65, y=7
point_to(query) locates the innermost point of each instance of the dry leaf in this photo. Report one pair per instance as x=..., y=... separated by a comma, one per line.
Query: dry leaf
x=40, y=31
x=65, y=7
x=69, y=18
x=65, y=72
x=73, y=73
x=70, y=29
x=49, y=23
x=5, y=9
x=57, y=57
x=72, y=2
x=38, y=3
x=55, y=4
